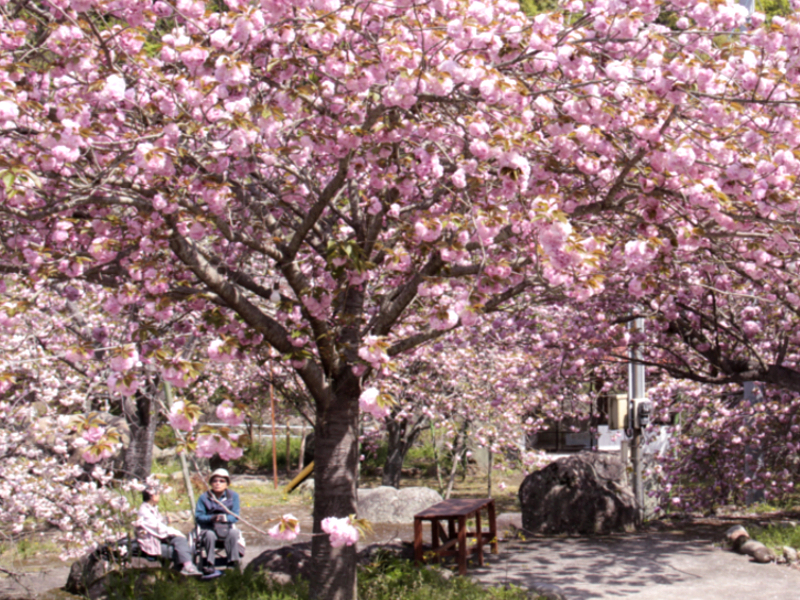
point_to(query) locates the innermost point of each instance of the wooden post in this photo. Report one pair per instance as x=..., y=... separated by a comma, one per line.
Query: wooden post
x=274, y=443
x=288, y=447
x=301, y=460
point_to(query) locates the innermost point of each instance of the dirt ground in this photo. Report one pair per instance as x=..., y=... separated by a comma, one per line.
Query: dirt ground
x=680, y=560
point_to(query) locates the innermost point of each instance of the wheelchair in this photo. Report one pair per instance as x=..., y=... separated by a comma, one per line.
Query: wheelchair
x=220, y=556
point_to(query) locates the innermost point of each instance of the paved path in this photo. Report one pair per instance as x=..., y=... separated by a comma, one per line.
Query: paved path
x=656, y=565
x=651, y=566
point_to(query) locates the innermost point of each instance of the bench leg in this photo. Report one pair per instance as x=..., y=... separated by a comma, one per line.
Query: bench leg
x=492, y=526
x=462, y=545
x=418, y=541
x=479, y=536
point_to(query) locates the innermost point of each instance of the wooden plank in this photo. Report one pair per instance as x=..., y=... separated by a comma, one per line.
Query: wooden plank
x=444, y=547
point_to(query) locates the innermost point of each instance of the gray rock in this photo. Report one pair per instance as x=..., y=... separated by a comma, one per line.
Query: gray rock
x=386, y=504
x=293, y=561
x=578, y=494
x=85, y=572
x=790, y=554
x=376, y=552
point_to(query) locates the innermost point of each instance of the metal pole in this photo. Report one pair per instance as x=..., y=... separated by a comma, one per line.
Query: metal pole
x=636, y=390
x=274, y=443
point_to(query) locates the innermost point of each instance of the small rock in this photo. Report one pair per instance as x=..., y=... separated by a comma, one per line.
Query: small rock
x=548, y=591
x=445, y=574
x=736, y=532
x=758, y=551
x=307, y=487
x=374, y=552
x=280, y=578
x=790, y=554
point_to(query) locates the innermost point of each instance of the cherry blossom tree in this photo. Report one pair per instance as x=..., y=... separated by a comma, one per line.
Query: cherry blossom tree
x=340, y=183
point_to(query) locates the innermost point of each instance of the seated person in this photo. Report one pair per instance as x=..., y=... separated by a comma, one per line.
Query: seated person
x=156, y=538
x=216, y=514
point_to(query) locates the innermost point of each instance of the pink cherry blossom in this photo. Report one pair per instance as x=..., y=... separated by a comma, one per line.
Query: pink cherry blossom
x=287, y=529
x=178, y=419
x=341, y=531
x=228, y=414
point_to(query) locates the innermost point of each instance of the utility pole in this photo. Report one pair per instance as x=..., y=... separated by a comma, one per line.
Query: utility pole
x=636, y=405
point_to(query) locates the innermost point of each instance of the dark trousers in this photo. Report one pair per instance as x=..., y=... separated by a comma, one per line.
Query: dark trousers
x=177, y=548
x=208, y=541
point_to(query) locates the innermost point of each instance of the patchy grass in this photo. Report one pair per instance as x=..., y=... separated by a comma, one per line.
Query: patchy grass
x=28, y=548
x=385, y=579
x=777, y=536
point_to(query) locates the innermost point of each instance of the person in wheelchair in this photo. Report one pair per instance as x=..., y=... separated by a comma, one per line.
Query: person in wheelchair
x=157, y=539
x=216, y=515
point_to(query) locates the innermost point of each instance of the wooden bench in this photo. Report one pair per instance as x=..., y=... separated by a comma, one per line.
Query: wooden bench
x=454, y=540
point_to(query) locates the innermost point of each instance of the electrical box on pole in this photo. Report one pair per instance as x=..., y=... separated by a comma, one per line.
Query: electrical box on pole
x=617, y=411
x=642, y=410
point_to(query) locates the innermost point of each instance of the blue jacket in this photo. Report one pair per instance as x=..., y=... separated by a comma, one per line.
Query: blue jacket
x=207, y=509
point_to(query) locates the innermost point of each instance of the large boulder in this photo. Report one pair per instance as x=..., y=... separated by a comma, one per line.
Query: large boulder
x=578, y=494
x=386, y=504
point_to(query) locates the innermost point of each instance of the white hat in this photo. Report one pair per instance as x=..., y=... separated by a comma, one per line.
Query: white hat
x=220, y=473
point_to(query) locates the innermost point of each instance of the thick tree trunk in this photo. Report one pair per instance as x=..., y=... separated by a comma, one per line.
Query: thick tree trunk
x=335, y=463
x=393, y=467
x=400, y=439
x=142, y=423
